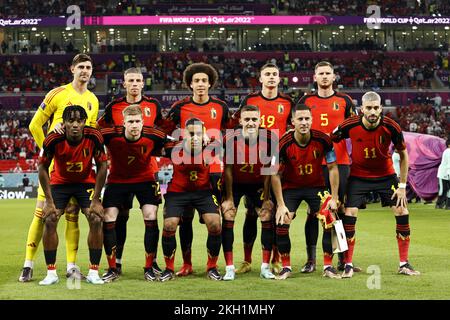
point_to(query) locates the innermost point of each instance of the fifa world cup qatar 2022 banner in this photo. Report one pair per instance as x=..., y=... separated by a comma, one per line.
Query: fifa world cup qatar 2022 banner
x=222, y=20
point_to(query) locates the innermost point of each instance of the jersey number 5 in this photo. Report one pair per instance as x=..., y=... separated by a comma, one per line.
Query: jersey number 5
x=324, y=119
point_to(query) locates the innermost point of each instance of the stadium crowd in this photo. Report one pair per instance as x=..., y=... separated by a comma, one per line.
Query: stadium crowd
x=15, y=139
x=381, y=72
x=346, y=7
x=423, y=117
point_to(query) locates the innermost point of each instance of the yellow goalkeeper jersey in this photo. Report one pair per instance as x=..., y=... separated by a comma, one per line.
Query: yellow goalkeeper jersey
x=53, y=106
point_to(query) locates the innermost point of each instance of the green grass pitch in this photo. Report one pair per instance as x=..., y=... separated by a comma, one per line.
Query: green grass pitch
x=376, y=249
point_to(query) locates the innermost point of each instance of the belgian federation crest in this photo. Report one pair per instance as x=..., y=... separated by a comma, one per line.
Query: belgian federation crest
x=86, y=152
x=317, y=154
x=147, y=112
x=280, y=109
x=335, y=106
x=213, y=113
x=89, y=106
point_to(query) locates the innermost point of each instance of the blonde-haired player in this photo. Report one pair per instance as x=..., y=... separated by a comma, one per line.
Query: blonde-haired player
x=51, y=109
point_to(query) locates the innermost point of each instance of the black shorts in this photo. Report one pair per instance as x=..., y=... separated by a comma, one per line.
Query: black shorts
x=62, y=193
x=294, y=197
x=175, y=203
x=216, y=183
x=344, y=173
x=118, y=194
x=253, y=194
x=358, y=188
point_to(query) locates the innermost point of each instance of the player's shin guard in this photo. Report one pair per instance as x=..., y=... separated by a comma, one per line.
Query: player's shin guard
x=186, y=236
x=34, y=235
x=109, y=242
x=284, y=244
x=266, y=240
x=250, y=231
x=150, y=241
x=349, y=227
x=327, y=248
x=213, y=246
x=311, y=236
x=72, y=234
x=169, y=245
x=121, y=233
x=403, y=233
x=228, y=240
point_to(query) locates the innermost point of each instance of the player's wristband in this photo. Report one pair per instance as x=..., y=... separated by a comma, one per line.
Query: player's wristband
x=402, y=185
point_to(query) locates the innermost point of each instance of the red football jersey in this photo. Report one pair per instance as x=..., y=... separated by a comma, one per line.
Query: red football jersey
x=303, y=165
x=151, y=111
x=275, y=113
x=131, y=160
x=370, y=148
x=327, y=114
x=73, y=163
x=249, y=159
x=191, y=172
x=214, y=114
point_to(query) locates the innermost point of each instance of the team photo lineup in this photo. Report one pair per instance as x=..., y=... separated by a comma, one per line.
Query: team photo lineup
x=218, y=158
x=259, y=140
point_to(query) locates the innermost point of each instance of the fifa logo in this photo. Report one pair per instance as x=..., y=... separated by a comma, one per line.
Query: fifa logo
x=213, y=113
